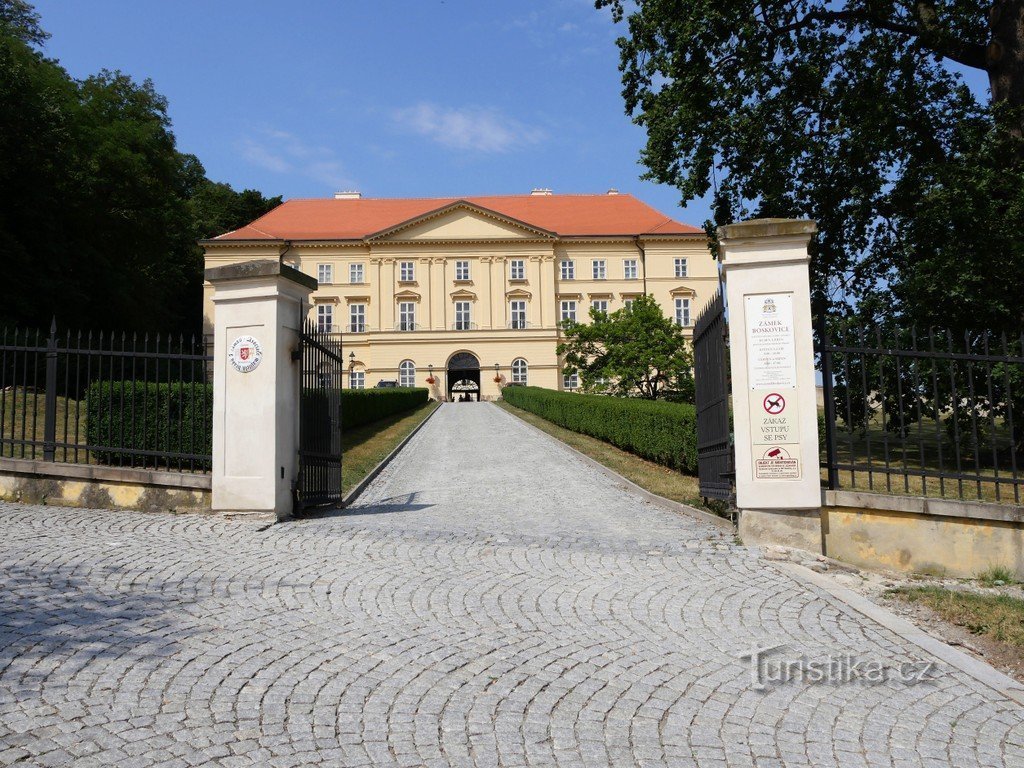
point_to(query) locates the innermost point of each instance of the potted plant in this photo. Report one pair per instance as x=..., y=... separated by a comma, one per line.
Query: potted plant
x=431, y=380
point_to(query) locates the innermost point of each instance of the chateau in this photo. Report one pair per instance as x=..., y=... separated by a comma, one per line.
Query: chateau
x=469, y=290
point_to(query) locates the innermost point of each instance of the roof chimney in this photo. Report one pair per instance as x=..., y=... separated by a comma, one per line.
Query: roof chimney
x=348, y=195
x=613, y=191
x=540, y=191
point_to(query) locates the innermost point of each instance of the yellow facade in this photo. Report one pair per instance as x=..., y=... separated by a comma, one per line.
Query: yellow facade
x=502, y=271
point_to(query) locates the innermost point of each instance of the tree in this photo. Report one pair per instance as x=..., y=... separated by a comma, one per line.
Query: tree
x=632, y=351
x=849, y=113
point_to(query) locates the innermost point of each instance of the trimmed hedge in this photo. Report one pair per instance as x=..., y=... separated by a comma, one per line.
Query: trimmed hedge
x=662, y=432
x=174, y=418
x=364, y=406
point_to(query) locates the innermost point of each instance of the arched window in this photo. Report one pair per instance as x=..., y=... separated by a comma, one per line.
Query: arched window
x=407, y=374
x=519, y=371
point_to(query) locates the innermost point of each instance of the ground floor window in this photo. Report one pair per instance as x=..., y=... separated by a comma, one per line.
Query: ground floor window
x=519, y=371
x=407, y=374
x=572, y=381
x=357, y=380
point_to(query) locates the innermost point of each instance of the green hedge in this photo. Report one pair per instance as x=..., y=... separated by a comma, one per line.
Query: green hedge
x=174, y=418
x=364, y=406
x=662, y=432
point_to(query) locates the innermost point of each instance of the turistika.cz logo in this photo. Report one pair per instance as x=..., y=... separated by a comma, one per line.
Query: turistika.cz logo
x=844, y=669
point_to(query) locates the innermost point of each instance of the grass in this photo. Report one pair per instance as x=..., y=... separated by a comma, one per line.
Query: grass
x=996, y=576
x=363, y=448
x=999, y=618
x=648, y=475
x=23, y=414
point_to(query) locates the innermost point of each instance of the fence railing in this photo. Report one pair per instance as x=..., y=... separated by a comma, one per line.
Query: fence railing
x=119, y=399
x=923, y=412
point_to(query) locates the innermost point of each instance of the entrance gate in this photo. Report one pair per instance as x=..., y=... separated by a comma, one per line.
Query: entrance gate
x=715, y=459
x=321, y=367
x=463, y=376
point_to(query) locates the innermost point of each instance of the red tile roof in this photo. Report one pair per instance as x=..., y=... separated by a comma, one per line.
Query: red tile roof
x=565, y=215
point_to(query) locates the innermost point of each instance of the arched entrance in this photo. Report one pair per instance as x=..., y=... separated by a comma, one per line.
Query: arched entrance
x=463, y=376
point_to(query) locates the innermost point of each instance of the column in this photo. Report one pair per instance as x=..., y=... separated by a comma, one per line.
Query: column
x=258, y=308
x=778, y=487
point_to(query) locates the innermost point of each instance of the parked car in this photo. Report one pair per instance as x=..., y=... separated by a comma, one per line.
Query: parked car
x=385, y=384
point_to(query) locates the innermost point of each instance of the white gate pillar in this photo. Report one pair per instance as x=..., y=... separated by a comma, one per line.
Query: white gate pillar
x=258, y=308
x=775, y=412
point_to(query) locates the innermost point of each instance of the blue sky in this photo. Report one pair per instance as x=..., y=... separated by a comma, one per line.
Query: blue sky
x=393, y=98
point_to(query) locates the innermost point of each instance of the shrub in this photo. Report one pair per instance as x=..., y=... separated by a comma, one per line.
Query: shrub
x=175, y=418
x=662, y=432
x=364, y=406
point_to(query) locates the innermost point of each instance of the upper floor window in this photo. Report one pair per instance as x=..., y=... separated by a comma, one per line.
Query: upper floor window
x=357, y=318
x=517, y=269
x=628, y=303
x=571, y=381
x=681, y=267
x=518, y=314
x=519, y=371
x=600, y=269
x=568, y=310
x=683, y=312
x=629, y=270
x=407, y=374
x=356, y=274
x=601, y=305
x=406, y=316
x=406, y=271
x=324, y=318
x=462, y=270
x=357, y=380
x=325, y=273
x=568, y=269
x=462, y=318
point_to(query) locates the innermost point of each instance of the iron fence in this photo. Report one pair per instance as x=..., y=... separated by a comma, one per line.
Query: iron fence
x=924, y=412
x=120, y=399
x=715, y=457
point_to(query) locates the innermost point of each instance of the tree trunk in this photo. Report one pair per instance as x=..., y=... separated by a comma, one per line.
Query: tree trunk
x=1006, y=59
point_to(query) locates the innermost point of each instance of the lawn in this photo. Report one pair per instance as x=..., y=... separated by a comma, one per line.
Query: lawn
x=648, y=475
x=363, y=448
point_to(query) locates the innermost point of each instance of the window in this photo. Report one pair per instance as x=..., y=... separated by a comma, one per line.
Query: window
x=601, y=305
x=324, y=273
x=569, y=310
x=406, y=316
x=629, y=269
x=628, y=303
x=357, y=379
x=407, y=374
x=572, y=381
x=355, y=273
x=462, y=316
x=357, y=318
x=324, y=318
x=568, y=269
x=518, y=314
x=406, y=271
x=462, y=270
x=600, y=269
x=517, y=269
x=683, y=312
x=519, y=371
x=681, y=266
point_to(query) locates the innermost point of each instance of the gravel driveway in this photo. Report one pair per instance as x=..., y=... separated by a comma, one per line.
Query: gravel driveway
x=491, y=600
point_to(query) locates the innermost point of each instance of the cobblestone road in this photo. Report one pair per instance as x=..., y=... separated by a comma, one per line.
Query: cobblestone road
x=490, y=601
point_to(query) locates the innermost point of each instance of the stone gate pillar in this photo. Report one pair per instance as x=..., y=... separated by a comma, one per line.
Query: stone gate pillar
x=258, y=307
x=775, y=412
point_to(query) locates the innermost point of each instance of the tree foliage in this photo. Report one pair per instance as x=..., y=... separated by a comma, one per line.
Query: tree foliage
x=849, y=113
x=99, y=211
x=633, y=351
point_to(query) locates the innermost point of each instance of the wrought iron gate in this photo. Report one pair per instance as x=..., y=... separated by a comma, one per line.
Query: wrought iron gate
x=715, y=467
x=321, y=367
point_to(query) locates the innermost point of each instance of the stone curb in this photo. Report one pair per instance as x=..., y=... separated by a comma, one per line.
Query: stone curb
x=653, y=498
x=361, y=486
x=978, y=670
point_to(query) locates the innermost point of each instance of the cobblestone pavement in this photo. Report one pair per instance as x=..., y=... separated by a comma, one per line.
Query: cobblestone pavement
x=490, y=601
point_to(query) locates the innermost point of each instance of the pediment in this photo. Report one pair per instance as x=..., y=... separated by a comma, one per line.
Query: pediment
x=463, y=295
x=461, y=221
x=407, y=296
x=518, y=293
x=682, y=290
